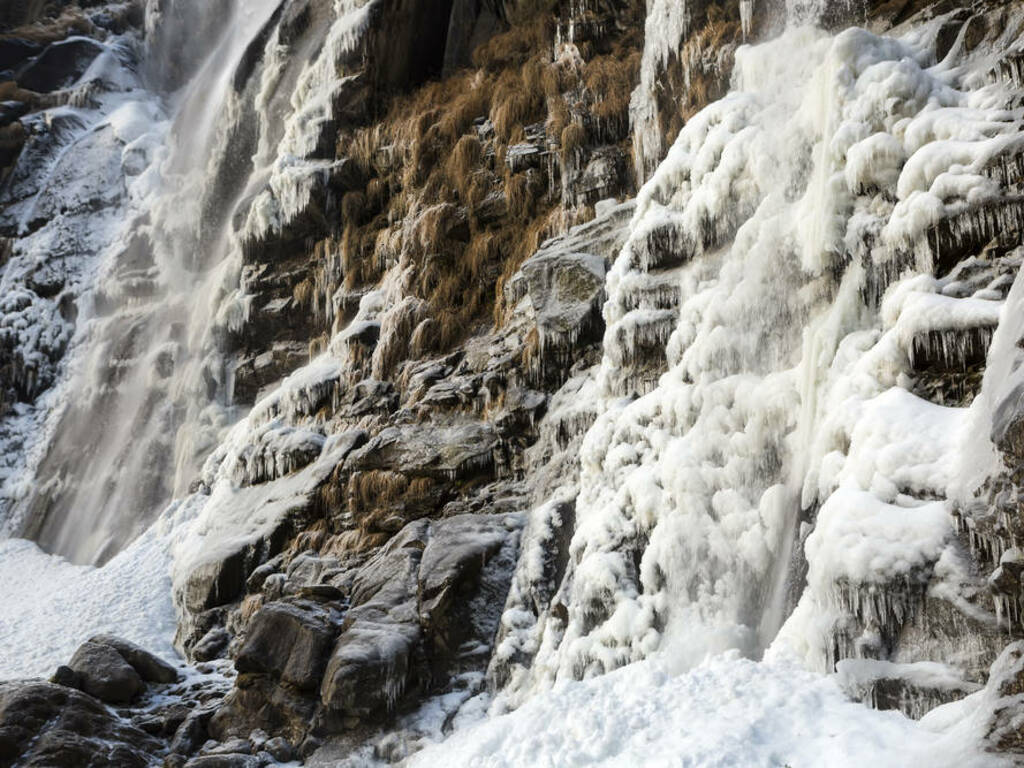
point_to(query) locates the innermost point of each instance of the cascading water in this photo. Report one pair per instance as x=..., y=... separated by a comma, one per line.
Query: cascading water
x=149, y=385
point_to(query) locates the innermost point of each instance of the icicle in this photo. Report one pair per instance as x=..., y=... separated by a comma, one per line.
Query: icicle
x=746, y=17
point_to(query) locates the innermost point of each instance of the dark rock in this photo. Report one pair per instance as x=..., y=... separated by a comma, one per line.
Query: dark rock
x=229, y=747
x=279, y=749
x=16, y=51
x=224, y=761
x=471, y=23
x=44, y=725
x=403, y=604
x=368, y=669
x=192, y=733
x=105, y=674
x=151, y=668
x=289, y=641
x=65, y=675
x=255, y=581
x=212, y=645
x=443, y=452
x=259, y=701
x=11, y=111
x=163, y=721
x=60, y=65
x=222, y=581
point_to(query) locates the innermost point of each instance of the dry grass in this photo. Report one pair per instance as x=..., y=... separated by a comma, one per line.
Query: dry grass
x=430, y=169
x=610, y=81
x=463, y=161
x=574, y=137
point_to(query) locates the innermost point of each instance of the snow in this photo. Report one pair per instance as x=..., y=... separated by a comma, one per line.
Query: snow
x=48, y=606
x=725, y=712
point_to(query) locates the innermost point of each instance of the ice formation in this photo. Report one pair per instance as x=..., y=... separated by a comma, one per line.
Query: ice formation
x=751, y=372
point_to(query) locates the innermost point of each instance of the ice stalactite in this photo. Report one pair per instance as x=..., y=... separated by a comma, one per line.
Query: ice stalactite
x=764, y=337
x=747, y=17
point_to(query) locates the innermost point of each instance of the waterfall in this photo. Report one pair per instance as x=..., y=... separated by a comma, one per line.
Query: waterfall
x=147, y=388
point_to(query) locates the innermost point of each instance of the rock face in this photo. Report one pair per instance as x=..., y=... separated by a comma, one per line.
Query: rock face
x=333, y=647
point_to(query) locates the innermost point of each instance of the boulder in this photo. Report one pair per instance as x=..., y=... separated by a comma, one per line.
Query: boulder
x=151, y=668
x=211, y=645
x=105, y=674
x=289, y=641
x=192, y=733
x=60, y=65
x=43, y=725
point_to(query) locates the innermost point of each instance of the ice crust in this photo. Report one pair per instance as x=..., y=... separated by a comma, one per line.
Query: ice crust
x=784, y=389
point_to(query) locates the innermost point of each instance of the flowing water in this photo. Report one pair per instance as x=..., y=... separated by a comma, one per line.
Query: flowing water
x=148, y=381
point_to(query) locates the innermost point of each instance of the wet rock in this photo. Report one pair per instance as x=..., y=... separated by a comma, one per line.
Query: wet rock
x=410, y=612
x=222, y=581
x=60, y=65
x=105, y=674
x=369, y=666
x=11, y=111
x=65, y=675
x=603, y=177
x=163, y=721
x=443, y=452
x=279, y=749
x=43, y=725
x=192, y=733
x=229, y=747
x=224, y=761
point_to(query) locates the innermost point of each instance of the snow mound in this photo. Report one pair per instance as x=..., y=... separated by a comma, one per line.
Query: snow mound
x=726, y=712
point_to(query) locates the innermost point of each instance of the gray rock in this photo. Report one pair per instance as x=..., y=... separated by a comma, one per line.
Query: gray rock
x=229, y=747
x=224, y=761
x=212, y=645
x=289, y=641
x=65, y=675
x=279, y=749
x=105, y=674
x=151, y=668
x=191, y=734
x=444, y=452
